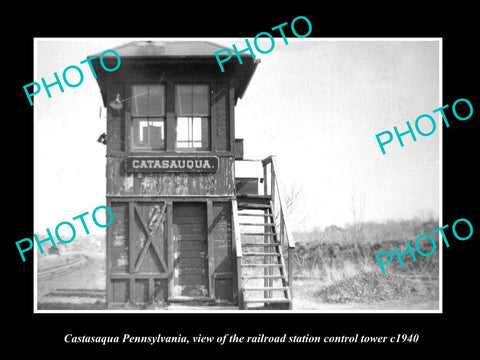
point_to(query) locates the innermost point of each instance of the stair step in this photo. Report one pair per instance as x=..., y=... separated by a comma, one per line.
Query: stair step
x=248, y=277
x=242, y=206
x=257, y=224
x=261, y=254
x=257, y=214
x=267, y=300
x=253, y=196
x=265, y=288
x=263, y=234
x=263, y=265
x=261, y=244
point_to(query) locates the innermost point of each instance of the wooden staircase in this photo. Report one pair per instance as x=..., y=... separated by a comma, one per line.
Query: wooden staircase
x=263, y=243
x=264, y=274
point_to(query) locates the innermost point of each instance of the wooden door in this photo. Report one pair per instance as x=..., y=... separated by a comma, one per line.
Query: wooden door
x=190, y=249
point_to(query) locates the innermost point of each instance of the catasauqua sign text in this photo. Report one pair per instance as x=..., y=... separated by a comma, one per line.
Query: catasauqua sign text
x=171, y=164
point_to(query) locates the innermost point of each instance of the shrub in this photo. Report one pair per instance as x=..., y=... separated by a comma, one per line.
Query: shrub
x=372, y=286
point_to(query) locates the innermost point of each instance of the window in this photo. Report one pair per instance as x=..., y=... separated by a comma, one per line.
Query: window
x=192, y=112
x=148, y=117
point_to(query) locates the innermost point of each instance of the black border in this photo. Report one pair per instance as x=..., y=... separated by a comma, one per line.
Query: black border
x=456, y=25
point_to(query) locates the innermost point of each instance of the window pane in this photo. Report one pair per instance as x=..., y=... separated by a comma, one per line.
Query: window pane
x=192, y=100
x=157, y=134
x=156, y=100
x=148, y=100
x=140, y=132
x=139, y=104
x=182, y=128
x=201, y=104
x=197, y=129
x=183, y=100
x=193, y=132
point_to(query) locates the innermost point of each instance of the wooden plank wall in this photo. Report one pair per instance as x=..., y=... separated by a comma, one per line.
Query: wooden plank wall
x=115, y=120
x=221, y=240
x=129, y=191
x=119, y=260
x=131, y=276
x=220, y=112
x=119, y=182
x=151, y=282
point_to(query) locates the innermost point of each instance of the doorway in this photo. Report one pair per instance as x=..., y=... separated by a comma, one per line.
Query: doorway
x=190, y=250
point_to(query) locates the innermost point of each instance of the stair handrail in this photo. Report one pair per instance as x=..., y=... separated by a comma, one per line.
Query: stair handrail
x=275, y=174
x=236, y=228
x=284, y=220
x=238, y=252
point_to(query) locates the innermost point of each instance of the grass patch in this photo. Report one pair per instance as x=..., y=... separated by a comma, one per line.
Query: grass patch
x=330, y=261
x=338, y=253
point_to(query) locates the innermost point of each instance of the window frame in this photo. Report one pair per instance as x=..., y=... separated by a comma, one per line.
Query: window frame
x=148, y=118
x=191, y=118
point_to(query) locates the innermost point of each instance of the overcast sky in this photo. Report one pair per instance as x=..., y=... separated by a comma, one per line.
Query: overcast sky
x=315, y=103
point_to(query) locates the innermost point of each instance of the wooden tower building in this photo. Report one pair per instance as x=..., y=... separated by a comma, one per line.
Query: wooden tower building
x=184, y=228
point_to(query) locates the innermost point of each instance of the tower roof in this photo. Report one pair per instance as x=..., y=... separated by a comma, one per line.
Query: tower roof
x=183, y=52
x=190, y=48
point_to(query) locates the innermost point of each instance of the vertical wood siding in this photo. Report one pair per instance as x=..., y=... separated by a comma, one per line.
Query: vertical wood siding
x=221, y=237
x=115, y=123
x=137, y=244
x=120, y=241
x=220, y=101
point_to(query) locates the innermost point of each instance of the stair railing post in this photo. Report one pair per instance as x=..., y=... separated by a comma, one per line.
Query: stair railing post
x=272, y=229
x=290, y=273
x=289, y=238
x=266, y=260
x=282, y=228
x=265, y=177
x=237, y=244
x=272, y=184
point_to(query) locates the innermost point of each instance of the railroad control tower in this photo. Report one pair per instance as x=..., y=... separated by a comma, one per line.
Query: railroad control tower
x=177, y=232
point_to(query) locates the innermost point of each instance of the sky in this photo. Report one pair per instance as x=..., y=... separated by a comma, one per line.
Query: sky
x=315, y=103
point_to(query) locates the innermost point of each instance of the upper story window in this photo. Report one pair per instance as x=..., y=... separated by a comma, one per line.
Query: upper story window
x=148, y=117
x=192, y=114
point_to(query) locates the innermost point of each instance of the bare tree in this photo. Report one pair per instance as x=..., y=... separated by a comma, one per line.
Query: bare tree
x=293, y=203
x=358, y=212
